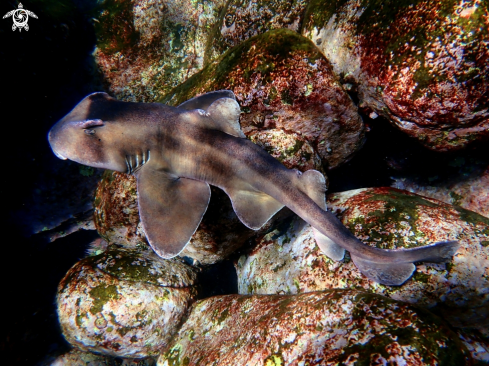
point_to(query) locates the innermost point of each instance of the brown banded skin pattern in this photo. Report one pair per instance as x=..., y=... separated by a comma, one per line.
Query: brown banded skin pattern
x=176, y=152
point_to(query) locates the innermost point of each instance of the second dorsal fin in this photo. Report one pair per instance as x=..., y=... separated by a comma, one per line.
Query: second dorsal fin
x=313, y=184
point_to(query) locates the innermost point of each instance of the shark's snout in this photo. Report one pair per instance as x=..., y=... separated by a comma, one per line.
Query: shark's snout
x=53, y=140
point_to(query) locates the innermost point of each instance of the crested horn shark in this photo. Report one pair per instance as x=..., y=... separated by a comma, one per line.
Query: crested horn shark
x=176, y=152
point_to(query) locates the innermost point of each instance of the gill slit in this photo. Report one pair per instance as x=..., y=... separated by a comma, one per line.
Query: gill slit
x=136, y=162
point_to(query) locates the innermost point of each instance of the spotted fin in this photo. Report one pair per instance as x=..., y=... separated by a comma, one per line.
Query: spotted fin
x=252, y=207
x=170, y=209
x=313, y=184
x=392, y=274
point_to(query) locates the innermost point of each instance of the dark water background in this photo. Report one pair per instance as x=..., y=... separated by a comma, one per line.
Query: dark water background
x=44, y=73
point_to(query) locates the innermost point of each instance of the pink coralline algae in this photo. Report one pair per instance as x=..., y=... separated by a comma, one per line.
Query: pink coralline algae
x=242, y=22
x=282, y=81
x=290, y=262
x=338, y=327
x=424, y=65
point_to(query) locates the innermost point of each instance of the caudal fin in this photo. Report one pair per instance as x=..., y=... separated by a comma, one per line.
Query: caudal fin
x=392, y=274
x=395, y=274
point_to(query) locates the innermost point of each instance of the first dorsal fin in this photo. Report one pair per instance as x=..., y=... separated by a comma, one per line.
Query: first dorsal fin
x=225, y=113
x=205, y=100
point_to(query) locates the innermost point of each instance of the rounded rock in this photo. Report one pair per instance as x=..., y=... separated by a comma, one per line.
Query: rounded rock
x=291, y=262
x=318, y=328
x=423, y=66
x=282, y=82
x=124, y=303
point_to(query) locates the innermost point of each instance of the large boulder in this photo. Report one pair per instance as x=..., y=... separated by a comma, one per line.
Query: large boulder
x=423, y=65
x=319, y=328
x=282, y=82
x=79, y=358
x=469, y=189
x=147, y=47
x=240, y=22
x=289, y=261
x=124, y=303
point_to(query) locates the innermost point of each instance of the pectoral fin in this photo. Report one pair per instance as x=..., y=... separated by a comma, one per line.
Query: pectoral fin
x=253, y=208
x=313, y=184
x=392, y=274
x=170, y=209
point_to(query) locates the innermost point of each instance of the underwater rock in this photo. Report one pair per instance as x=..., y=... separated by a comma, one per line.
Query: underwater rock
x=289, y=148
x=477, y=344
x=219, y=234
x=469, y=192
x=76, y=357
x=287, y=260
x=242, y=22
x=147, y=47
x=282, y=82
x=124, y=303
x=424, y=66
x=319, y=328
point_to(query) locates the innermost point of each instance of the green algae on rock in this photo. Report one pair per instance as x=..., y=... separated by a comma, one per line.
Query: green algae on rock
x=124, y=303
x=219, y=234
x=468, y=190
x=147, y=47
x=289, y=261
x=282, y=81
x=422, y=64
x=78, y=358
x=242, y=22
x=318, y=328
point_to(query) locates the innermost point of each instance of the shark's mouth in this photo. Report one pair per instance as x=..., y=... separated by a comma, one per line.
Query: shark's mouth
x=135, y=162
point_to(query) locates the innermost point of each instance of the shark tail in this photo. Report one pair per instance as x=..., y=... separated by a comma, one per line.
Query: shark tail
x=395, y=274
x=394, y=267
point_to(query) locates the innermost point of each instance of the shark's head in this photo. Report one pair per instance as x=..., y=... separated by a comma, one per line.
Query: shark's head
x=90, y=134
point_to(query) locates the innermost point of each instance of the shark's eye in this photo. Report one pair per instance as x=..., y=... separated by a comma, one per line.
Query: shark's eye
x=89, y=132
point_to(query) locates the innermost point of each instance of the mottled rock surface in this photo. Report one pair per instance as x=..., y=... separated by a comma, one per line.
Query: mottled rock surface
x=220, y=233
x=423, y=64
x=288, y=260
x=242, y=22
x=282, y=82
x=318, y=328
x=477, y=344
x=147, y=47
x=79, y=358
x=124, y=303
x=469, y=191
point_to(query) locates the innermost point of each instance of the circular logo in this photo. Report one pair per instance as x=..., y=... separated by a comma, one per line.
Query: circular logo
x=20, y=18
